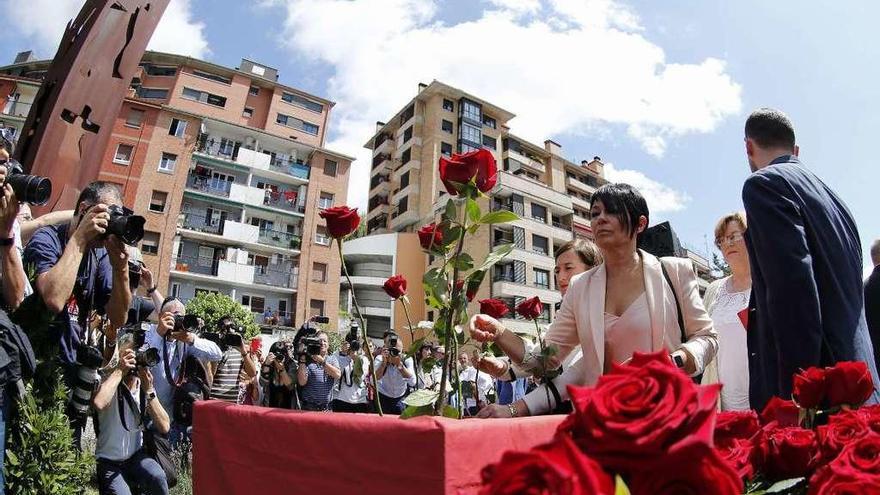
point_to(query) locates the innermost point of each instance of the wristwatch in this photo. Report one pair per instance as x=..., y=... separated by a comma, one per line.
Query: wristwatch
x=151, y=290
x=8, y=241
x=151, y=395
x=678, y=360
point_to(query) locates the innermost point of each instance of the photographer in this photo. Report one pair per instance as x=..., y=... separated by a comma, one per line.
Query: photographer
x=122, y=462
x=81, y=270
x=316, y=373
x=395, y=375
x=15, y=286
x=176, y=343
x=351, y=395
x=277, y=377
x=226, y=384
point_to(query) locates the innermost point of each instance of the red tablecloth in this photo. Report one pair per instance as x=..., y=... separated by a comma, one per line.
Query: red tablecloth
x=255, y=450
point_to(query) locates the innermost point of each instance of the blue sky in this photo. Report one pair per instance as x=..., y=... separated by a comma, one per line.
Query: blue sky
x=658, y=89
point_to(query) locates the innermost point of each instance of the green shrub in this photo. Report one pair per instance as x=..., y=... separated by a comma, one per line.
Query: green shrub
x=211, y=307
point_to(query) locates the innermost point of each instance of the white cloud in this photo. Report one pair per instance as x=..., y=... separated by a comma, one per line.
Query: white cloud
x=44, y=21
x=564, y=67
x=661, y=198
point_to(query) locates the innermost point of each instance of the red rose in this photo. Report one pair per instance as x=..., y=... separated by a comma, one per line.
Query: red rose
x=471, y=290
x=871, y=416
x=855, y=471
x=785, y=452
x=809, y=388
x=694, y=469
x=495, y=308
x=635, y=414
x=735, y=425
x=395, y=287
x=859, y=457
x=430, y=236
x=738, y=455
x=842, y=429
x=341, y=220
x=557, y=468
x=530, y=309
x=849, y=382
x=461, y=168
x=784, y=412
x=827, y=482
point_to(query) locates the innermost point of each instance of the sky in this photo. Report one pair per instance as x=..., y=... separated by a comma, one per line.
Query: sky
x=658, y=90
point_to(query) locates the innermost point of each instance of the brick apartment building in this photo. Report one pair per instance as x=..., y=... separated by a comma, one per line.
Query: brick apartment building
x=229, y=167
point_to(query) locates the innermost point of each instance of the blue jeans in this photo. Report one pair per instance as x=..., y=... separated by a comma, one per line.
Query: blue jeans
x=5, y=399
x=392, y=405
x=139, y=470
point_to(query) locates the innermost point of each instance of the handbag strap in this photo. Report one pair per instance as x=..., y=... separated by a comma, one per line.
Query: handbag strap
x=677, y=304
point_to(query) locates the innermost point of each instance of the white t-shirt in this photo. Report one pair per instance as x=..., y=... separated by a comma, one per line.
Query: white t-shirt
x=733, y=358
x=484, y=383
x=114, y=443
x=352, y=389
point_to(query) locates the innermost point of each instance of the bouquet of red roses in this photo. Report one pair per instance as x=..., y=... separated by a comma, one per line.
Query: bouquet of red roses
x=646, y=428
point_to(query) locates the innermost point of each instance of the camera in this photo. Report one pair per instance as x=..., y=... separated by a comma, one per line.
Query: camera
x=280, y=354
x=186, y=323
x=352, y=337
x=393, y=351
x=225, y=340
x=88, y=360
x=321, y=319
x=146, y=358
x=233, y=339
x=125, y=225
x=313, y=345
x=31, y=189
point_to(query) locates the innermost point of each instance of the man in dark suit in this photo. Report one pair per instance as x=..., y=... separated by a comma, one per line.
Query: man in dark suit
x=872, y=299
x=807, y=304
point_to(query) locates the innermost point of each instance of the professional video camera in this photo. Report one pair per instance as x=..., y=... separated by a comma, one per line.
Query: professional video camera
x=125, y=225
x=393, y=351
x=312, y=345
x=31, y=189
x=229, y=339
x=88, y=360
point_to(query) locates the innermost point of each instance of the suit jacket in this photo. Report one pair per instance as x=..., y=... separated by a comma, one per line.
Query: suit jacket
x=872, y=309
x=807, y=302
x=580, y=321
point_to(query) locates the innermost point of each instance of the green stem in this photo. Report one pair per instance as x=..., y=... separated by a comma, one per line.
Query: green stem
x=412, y=339
x=364, y=335
x=543, y=362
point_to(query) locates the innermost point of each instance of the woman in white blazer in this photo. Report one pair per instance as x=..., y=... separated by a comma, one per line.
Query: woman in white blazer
x=625, y=305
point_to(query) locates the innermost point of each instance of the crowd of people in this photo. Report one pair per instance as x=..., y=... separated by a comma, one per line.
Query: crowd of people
x=136, y=362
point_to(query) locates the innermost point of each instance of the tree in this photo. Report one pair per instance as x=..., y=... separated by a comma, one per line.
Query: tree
x=211, y=307
x=719, y=265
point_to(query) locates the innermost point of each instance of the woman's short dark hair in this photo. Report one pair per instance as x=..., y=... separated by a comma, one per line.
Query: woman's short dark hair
x=624, y=202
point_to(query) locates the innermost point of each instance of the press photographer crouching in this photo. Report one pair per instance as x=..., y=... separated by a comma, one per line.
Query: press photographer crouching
x=179, y=371
x=354, y=366
x=395, y=375
x=316, y=373
x=81, y=271
x=125, y=403
x=227, y=382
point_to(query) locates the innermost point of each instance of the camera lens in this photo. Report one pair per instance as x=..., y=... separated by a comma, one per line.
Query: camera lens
x=31, y=189
x=148, y=358
x=129, y=228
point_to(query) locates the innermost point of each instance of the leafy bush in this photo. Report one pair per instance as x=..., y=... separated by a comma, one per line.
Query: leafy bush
x=211, y=307
x=40, y=457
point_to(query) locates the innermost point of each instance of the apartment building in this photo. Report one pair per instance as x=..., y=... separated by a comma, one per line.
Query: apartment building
x=229, y=167
x=550, y=193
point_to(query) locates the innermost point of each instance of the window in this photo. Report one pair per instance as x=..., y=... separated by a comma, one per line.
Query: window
x=321, y=236
x=319, y=272
x=326, y=200
x=203, y=97
x=135, y=118
x=545, y=314
x=157, y=202
x=471, y=133
x=158, y=71
x=404, y=180
x=123, y=154
x=448, y=105
x=542, y=278
x=302, y=102
x=330, y=168
x=150, y=243
x=405, y=156
x=446, y=149
x=316, y=307
x=488, y=141
x=247, y=112
x=213, y=77
x=254, y=91
x=256, y=304
x=466, y=148
x=539, y=244
x=407, y=114
x=407, y=134
x=446, y=126
x=539, y=212
x=152, y=93
x=471, y=111
x=177, y=128
x=488, y=121
x=296, y=123
x=168, y=162
x=175, y=289
x=402, y=205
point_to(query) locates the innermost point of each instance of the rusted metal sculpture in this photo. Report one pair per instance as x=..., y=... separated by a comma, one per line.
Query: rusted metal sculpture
x=69, y=125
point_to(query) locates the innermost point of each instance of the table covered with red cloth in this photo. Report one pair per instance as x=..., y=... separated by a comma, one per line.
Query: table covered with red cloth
x=258, y=450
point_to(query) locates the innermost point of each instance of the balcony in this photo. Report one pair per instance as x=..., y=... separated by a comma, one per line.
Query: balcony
x=382, y=163
x=380, y=222
x=201, y=223
x=517, y=160
x=208, y=186
x=280, y=239
x=195, y=265
x=237, y=274
x=15, y=108
x=286, y=169
x=509, y=288
x=588, y=187
x=509, y=183
x=285, y=279
x=283, y=200
x=383, y=144
x=379, y=184
x=580, y=202
x=400, y=220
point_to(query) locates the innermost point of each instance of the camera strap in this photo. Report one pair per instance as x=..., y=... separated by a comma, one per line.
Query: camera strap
x=124, y=397
x=167, y=363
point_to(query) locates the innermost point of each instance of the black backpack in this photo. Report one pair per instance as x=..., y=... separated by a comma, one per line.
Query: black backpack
x=17, y=361
x=191, y=389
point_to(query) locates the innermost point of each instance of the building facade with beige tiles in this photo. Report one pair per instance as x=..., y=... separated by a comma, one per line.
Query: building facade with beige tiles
x=229, y=167
x=550, y=193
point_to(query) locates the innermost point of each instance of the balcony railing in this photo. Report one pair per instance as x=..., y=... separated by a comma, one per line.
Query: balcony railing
x=226, y=150
x=296, y=168
x=208, y=185
x=280, y=239
x=202, y=223
x=504, y=277
x=276, y=278
x=273, y=318
x=285, y=277
x=502, y=240
x=195, y=264
x=560, y=225
x=16, y=108
x=285, y=200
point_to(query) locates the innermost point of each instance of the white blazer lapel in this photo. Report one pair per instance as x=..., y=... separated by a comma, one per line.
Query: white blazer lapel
x=596, y=314
x=655, y=294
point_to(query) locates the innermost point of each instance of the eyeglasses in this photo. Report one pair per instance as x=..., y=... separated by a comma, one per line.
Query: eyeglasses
x=728, y=240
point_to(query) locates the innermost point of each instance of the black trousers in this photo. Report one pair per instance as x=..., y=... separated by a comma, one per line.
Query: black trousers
x=342, y=406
